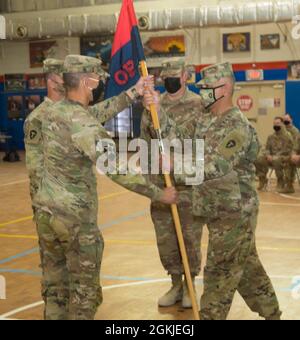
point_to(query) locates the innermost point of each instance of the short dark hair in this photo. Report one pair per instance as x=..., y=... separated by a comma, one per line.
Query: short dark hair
x=72, y=80
x=279, y=118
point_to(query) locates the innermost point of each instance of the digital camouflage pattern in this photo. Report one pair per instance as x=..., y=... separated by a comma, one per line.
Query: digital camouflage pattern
x=294, y=132
x=68, y=208
x=185, y=113
x=231, y=148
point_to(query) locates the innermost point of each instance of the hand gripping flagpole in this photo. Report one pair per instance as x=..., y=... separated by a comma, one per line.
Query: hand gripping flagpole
x=174, y=208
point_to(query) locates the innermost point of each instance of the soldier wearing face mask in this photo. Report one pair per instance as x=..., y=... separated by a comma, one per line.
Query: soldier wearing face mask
x=227, y=200
x=184, y=108
x=277, y=155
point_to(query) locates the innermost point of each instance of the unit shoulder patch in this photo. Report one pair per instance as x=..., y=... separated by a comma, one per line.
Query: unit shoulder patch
x=232, y=144
x=33, y=136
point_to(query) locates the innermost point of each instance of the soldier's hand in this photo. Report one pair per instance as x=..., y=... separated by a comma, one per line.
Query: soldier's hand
x=170, y=196
x=145, y=84
x=296, y=159
x=151, y=97
x=270, y=159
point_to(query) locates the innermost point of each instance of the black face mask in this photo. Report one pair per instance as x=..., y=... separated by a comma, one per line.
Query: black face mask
x=287, y=123
x=97, y=93
x=277, y=128
x=172, y=85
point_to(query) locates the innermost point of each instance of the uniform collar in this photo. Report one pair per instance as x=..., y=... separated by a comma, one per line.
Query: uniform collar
x=48, y=100
x=73, y=102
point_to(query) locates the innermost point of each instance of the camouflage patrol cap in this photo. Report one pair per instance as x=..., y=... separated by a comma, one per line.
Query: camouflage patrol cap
x=53, y=66
x=83, y=64
x=214, y=73
x=172, y=68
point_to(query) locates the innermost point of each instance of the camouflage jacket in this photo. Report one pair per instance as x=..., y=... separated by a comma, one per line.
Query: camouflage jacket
x=184, y=113
x=294, y=132
x=279, y=144
x=34, y=145
x=71, y=136
x=297, y=146
x=231, y=148
x=103, y=112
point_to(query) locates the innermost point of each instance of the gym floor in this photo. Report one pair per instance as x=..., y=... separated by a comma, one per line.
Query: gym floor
x=132, y=276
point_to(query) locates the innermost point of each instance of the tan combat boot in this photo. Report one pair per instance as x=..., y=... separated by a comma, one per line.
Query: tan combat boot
x=174, y=295
x=186, y=300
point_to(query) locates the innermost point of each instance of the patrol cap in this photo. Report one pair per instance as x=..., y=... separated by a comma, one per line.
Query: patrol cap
x=214, y=73
x=172, y=68
x=83, y=64
x=53, y=66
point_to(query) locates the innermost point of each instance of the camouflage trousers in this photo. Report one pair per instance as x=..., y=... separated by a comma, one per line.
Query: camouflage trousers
x=71, y=255
x=233, y=265
x=284, y=170
x=167, y=239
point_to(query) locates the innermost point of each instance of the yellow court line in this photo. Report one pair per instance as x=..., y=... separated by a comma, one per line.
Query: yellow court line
x=27, y=218
x=288, y=250
x=23, y=219
x=113, y=195
x=29, y=237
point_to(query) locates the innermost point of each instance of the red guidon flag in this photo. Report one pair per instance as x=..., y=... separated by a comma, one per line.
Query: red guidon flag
x=127, y=52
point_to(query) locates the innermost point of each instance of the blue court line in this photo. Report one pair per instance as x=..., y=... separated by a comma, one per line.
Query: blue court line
x=292, y=287
x=102, y=227
x=20, y=255
x=20, y=271
x=125, y=219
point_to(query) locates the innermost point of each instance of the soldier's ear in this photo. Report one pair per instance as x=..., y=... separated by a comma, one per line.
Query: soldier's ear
x=228, y=89
x=185, y=76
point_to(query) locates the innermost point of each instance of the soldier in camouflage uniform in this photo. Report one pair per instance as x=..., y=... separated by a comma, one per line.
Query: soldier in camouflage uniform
x=228, y=202
x=291, y=128
x=70, y=241
x=53, y=69
x=296, y=153
x=277, y=155
x=184, y=107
